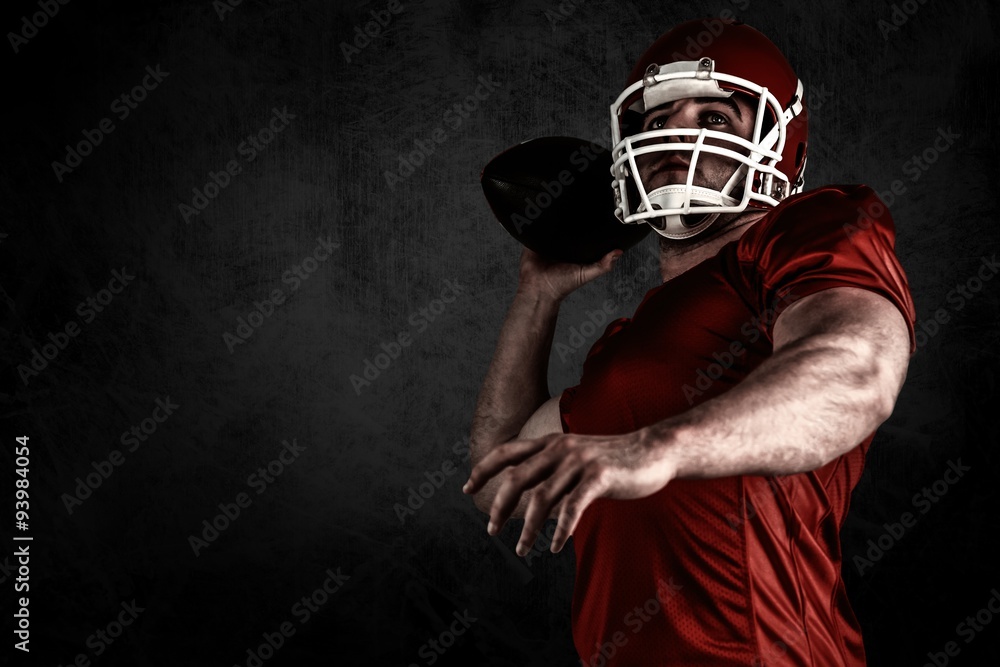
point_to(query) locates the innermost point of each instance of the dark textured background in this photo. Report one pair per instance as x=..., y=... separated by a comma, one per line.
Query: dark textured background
x=886, y=97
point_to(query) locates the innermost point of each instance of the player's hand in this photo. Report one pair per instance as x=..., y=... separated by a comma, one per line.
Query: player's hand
x=556, y=280
x=567, y=472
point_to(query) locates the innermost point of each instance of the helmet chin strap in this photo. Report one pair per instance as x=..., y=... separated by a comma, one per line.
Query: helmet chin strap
x=673, y=226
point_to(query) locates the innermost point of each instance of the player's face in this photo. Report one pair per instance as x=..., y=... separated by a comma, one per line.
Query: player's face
x=732, y=115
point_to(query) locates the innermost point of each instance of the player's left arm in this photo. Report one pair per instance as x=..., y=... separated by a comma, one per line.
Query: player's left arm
x=839, y=361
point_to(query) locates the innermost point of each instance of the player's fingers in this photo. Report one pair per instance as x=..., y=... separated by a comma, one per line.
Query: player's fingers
x=590, y=271
x=545, y=502
x=526, y=546
x=499, y=458
x=517, y=480
x=592, y=486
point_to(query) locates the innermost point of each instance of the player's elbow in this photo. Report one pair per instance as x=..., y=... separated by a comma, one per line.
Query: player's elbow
x=884, y=403
x=876, y=373
x=885, y=366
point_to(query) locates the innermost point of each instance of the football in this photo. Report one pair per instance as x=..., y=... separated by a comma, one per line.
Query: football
x=553, y=194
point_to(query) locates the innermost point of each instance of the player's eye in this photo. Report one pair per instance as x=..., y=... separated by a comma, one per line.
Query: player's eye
x=715, y=118
x=656, y=122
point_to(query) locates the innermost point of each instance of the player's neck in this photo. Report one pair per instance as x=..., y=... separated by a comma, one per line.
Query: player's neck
x=676, y=257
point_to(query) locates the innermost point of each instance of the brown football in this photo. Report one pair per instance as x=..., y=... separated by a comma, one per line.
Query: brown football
x=553, y=194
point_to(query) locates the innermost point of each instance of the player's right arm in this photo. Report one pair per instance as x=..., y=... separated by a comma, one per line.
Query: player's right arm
x=514, y=401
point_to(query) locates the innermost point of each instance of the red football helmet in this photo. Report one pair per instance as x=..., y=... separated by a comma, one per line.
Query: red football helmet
x=704, y=59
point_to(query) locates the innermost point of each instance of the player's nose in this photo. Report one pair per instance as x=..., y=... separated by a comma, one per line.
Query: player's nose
x=682, y=119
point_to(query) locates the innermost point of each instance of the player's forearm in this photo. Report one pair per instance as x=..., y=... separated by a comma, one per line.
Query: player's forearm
x=517, y=380
x=803, y=407
x=516, y=383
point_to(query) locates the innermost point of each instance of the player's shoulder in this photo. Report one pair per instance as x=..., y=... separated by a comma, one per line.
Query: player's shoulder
x=831, y=213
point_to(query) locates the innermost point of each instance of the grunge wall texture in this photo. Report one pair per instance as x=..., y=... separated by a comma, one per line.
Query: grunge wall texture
x=337, y=260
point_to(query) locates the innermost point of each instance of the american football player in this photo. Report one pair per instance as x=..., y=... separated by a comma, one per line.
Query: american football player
x=705, y=461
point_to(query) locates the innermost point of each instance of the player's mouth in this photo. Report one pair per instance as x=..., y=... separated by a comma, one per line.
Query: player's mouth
x=671, y=165
x=668, y=171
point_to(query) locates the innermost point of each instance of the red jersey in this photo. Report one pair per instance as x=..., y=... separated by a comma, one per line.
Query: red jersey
x=738, y=570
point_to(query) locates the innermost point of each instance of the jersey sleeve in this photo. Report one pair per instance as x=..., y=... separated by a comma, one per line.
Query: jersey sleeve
x=842, y=236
